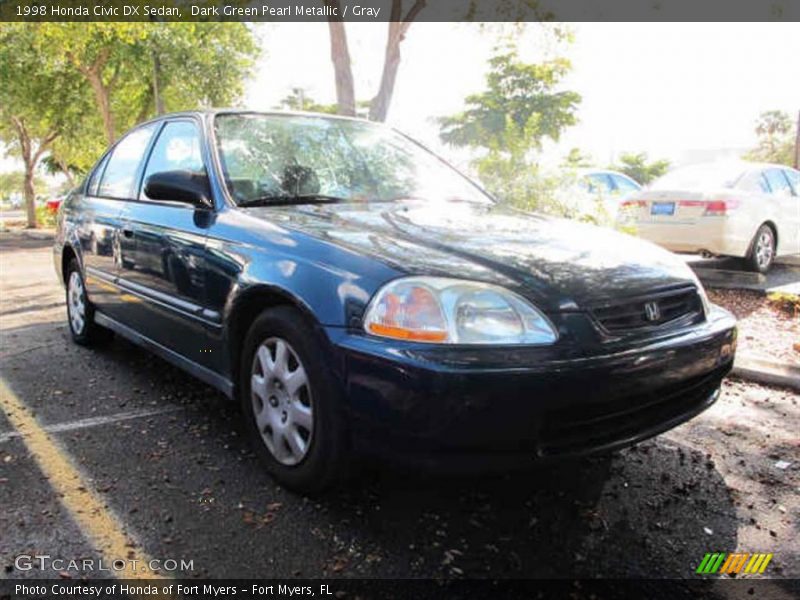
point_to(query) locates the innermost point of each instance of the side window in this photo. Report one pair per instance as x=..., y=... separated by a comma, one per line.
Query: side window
x=778, y=182
x=94, y=182
x=753, y=181
x=794, y=178
x=177, y=148
x=120, y=174
x=624, y=185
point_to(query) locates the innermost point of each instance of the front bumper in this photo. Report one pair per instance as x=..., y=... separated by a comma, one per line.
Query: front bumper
x=486, y=407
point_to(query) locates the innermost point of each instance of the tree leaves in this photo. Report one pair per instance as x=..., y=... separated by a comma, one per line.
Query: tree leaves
x=775, y=132
x=518, y=110
x=638, y=168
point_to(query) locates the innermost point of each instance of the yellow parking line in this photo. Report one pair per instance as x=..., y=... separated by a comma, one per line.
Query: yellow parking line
x=92, y=515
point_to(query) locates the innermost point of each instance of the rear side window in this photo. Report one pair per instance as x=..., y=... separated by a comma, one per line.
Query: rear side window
x=778, y=182
x=753, y=181
x=177, y=148
x=94, y=182
x=120, y=172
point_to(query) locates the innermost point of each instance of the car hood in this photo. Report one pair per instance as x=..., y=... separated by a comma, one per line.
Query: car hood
x=559, y=264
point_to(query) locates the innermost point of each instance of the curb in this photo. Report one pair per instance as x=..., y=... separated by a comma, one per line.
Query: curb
x=729, y=278
x=42, y=233
x=767, y=371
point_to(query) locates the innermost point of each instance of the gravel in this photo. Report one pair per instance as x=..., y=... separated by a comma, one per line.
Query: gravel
x=764, y=330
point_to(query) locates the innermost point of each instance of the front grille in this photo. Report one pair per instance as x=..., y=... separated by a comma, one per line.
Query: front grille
x=679, y=307
x=578, y=429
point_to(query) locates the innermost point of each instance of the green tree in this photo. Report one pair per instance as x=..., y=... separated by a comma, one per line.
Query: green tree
x=136, y=70
x=197, y=64
x=576, y=159
x=776, y=138
x=12, y=182
x=299, y=99
x=637, y=167
x=102, y=53
x=519, y=109
x=37, y=100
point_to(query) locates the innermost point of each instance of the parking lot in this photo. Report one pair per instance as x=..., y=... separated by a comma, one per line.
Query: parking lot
x=166, y=457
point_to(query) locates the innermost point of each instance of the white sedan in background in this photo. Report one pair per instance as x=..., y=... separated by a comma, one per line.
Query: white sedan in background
x=747, y=210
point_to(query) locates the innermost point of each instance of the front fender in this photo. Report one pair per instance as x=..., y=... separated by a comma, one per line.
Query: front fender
x=66, y=238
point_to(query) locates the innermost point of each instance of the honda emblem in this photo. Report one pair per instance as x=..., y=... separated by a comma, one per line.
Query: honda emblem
x=651, y=311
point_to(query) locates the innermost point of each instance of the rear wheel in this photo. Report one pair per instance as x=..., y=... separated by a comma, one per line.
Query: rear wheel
x=762, y=250
x=290, y=404
x=80, y=312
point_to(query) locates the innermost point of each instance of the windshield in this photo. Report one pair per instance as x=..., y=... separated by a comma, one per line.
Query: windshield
x=272, y=159
x=699, y=177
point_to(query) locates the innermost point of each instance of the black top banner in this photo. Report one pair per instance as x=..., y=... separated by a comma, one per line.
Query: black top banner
x=400, y=10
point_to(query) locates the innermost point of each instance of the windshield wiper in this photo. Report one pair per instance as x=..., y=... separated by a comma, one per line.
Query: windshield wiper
x=288, y=200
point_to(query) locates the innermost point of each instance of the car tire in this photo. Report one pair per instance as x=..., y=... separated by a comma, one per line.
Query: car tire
x=762, y=250
x=80, y=312
x=294, y=423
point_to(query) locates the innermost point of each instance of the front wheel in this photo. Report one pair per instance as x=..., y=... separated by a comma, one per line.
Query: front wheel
x=80, y=312
x=291, y=408
x=762, y=250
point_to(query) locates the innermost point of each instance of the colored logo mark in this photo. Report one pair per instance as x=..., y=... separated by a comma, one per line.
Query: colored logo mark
x=737, y=562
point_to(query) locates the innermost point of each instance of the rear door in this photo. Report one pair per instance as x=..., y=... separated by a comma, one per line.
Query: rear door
x=794, y=179
x=787, y=210
x=100, y=210
x=163, y=248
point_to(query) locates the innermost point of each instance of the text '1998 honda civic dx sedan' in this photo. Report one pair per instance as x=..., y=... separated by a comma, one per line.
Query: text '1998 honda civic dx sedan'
x=358, y=295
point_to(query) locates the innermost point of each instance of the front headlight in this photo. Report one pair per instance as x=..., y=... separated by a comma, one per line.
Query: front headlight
x=440, y=310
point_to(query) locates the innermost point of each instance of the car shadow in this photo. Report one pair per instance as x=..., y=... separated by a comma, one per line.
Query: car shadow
x=652, y=511
x=785, y=271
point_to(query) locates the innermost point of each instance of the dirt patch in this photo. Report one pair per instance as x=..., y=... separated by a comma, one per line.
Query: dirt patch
x=764, y=330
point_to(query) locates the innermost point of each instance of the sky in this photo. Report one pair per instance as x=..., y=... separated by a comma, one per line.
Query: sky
x=673, y=90
x=681, y=91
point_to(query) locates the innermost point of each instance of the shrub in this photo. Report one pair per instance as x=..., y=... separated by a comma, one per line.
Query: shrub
x=785, y=302
x=45, y=217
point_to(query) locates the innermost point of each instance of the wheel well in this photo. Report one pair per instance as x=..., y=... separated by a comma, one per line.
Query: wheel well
x=246, y=310
x=67, y=254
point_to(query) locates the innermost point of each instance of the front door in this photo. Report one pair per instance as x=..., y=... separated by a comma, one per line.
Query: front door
x=162, y=275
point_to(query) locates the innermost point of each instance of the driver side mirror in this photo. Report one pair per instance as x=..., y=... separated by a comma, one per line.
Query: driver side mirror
x=180, y=186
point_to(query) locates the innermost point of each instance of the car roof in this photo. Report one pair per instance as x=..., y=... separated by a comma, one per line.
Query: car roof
x=590, y=171
x=243, y=111
x=743, y=165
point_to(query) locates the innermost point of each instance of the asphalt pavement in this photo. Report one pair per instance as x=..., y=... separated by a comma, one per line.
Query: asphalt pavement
x=162, y=462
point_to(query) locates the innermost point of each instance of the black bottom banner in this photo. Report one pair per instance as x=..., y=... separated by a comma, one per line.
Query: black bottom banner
x=397, y=589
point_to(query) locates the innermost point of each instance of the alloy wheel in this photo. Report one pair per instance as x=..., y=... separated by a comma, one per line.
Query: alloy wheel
x=764, y=249
x=282, y=402
x=76, y=303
